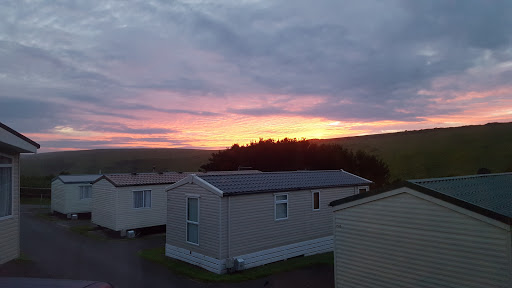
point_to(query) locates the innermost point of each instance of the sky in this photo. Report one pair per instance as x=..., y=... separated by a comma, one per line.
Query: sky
x=208, y=74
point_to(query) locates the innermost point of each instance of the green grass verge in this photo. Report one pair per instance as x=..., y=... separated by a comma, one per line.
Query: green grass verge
x=22, y=259
x=88, y=231
x=47, y=216
x=191, y=271
x=81, y=229
x=35, y=201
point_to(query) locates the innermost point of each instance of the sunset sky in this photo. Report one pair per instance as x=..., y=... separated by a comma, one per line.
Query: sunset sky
x=207, y=74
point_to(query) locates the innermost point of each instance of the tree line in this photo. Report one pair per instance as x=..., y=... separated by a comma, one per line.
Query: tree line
x=292, y=154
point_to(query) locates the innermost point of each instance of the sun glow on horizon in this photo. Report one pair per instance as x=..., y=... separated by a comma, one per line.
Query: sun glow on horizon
x=226, y=124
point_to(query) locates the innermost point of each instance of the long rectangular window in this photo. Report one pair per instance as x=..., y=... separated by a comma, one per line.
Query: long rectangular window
x=193, y=220
x=5, y=186
x=316, y=200
x=85, y=192
x=142, y=199
x=281, y=206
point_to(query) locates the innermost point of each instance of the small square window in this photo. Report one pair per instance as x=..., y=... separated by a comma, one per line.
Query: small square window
x=142, y=199
x=6, y=191
x=193, y=220
x=281, y=207
x=316, y=200
x=85, y=192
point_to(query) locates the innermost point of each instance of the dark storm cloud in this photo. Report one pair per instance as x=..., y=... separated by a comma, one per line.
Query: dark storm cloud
x=259, y=111
x=128, y=140
x=126, y=106
x=110, y=143
x=66, y=63
x=333, y=58
x=99, y=126
x=31, y=116
x=77, y=144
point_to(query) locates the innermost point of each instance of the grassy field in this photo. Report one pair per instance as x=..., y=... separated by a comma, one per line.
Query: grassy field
x=194, y=272
x=439, y=152
x=36, y=201
x=113, y=161
x=410, y=154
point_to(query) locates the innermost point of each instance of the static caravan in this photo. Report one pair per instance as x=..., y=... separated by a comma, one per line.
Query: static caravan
x=239, y=221
x=121, y=202
x=72, y=193
x=12, y=144
x=443, y=232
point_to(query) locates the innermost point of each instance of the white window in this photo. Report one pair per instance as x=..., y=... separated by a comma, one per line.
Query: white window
x=362, y=190
x=193, y=220
x=316, y=200
x=85, y=192
x=142, y=199
x=5, y=186
x=281, y=206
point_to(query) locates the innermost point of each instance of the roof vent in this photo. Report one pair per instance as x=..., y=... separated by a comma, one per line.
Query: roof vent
x=242, y=168
x=134, y=173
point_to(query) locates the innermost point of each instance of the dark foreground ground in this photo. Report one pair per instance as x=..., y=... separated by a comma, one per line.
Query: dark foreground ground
x=51, y=250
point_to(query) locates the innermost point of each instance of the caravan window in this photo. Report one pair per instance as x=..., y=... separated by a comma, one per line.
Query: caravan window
x=85, y=192
x=281, y=206
x=142, y=199
x=5, y=186
x=193, y=220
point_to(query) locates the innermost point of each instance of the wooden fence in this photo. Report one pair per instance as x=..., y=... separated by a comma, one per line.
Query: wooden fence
x=29, y=192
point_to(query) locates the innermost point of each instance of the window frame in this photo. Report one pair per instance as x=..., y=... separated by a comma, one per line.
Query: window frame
x=362, y=190
x=276, y=202
x=190, y=221
x=11, y=166
x=80, y=192
x=313, y=200
x=143, y=191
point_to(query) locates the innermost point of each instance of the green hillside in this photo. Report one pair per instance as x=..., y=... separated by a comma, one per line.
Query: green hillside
x=411, y=154
x=113, y=161
x=439, y=152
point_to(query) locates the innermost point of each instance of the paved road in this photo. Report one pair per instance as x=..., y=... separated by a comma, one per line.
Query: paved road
x=57, y=252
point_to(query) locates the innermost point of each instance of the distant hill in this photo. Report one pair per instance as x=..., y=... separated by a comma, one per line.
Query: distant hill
x=439, y=152
x=113, y=161
x=425, y=153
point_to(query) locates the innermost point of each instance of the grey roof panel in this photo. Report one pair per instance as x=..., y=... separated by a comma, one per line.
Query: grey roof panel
x=282, y=181
x=137, y=179
x=492, y=192
x=77, y=178
x=158, y=178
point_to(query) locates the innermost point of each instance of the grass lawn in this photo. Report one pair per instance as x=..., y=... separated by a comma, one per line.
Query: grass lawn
x=89, y=231
x=82, y=229
x=22, y=259
x=35, y=201
x=191, y=271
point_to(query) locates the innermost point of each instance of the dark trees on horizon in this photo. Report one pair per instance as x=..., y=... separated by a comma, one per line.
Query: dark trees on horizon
x=292, y=154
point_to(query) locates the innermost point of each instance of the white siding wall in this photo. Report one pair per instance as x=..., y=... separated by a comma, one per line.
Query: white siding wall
x=407, y=241
x=10, y=227
x=132, y=218
x=66, y=198
x=253, y=226
x=104, y=202
x=73, y=202
x=58, y=196
x=209, y=204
